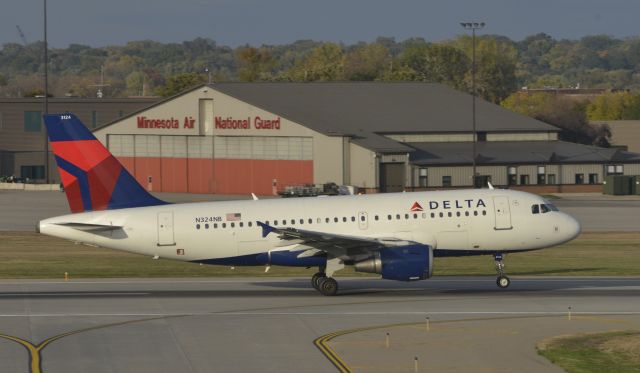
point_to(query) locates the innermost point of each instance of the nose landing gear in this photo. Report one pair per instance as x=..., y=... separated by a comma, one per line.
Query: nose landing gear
x=502, y=281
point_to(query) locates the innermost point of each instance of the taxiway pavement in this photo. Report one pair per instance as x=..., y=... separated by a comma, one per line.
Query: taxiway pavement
x=242, y=325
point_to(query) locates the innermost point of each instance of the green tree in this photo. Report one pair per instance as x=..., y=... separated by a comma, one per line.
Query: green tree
x=179, y=83
x=254, y=64
x=567, y=114
x=614, y=106
x=324, y=63
x=366, y=63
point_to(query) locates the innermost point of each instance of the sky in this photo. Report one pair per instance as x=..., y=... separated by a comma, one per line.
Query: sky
x=256, y=22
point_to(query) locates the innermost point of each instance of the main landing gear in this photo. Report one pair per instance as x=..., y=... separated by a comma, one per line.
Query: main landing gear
x=502, y=281
x=323, y=281
x=325, y=285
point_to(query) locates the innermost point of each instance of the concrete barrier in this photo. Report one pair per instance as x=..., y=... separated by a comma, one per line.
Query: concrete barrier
x=30, y=187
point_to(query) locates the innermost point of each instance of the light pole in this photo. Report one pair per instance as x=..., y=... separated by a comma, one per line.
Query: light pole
x=46, y=98
x=473, y=26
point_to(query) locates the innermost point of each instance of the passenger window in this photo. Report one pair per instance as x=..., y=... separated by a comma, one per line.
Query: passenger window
x=441, y=214
x=415, y=216
x=327, y=220
x=433, y=215
x=216, y=225
x=197, y=226
x=535, y=209
x=475, y=213
x=362, y=218
x=301, y=221
x=406, y=216
x=466, y=213
x=344, y=219
x=310, y=221
x=293, y=221
x=449, y=214
x=376, y=217
x=275, y=222
x=388, y=217
x=224, y=225
x=241, y=224
x=206, y=226
x=398, y=216
x=335, y=220
x=457, y=213
x=353, y=218
x=234, y=224
x=484, y=212
x=250, y=224
x=544, y=209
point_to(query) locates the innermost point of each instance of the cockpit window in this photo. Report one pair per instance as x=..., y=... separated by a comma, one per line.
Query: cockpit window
x=544, y=208
x=535, y=209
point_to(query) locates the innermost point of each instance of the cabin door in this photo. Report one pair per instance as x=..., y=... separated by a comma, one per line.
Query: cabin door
x=165, y=229
x=502, y=212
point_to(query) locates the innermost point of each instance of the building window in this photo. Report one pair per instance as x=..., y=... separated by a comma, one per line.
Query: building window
x=615, y=169
x=94, y=119
x=481, y=136
x=32, y=121
x=32, y=172
x=593, y=178
x=446, y=181
x=579, y=178
x=422, y=177
x=551, y=179
x=542, y=178
x=524, y=179
x=512, y=176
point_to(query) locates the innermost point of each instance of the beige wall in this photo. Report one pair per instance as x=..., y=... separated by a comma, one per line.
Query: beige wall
x=328, y=151
x=363, y=164
x=538, y=136
x=625, y=132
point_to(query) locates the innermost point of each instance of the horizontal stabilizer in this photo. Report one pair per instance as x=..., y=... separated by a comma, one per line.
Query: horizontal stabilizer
x=85, y=227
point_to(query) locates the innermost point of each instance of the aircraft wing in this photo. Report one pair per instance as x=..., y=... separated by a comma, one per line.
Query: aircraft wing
x=342, y=246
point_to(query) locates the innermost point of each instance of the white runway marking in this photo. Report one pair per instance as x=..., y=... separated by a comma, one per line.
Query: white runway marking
x=66, y=294
x=457, y=313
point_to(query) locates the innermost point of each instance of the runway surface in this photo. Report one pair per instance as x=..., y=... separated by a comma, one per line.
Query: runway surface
x=241, y=325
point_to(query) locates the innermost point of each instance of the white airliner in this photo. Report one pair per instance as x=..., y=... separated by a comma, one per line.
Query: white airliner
x=395, y=235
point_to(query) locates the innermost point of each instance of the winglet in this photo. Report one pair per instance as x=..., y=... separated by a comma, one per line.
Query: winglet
x=253, y=195
x=266, y=229
x=489, y=185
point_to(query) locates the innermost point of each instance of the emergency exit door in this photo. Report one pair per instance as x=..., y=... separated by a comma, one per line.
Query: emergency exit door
x=502, y=212
x=165, y=229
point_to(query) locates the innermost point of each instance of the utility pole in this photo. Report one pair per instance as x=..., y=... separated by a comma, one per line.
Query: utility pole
x=473, y=26
x=46, y=99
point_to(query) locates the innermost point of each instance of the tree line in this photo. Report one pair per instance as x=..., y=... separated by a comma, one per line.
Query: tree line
x=503, y=67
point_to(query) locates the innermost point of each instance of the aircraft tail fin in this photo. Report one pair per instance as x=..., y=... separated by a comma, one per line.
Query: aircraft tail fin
x=92, y=177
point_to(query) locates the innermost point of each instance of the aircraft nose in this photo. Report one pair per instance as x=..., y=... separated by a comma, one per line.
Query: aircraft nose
x=571, y=227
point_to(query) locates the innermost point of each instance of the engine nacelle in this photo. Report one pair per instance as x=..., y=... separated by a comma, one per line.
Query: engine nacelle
x=403, y=263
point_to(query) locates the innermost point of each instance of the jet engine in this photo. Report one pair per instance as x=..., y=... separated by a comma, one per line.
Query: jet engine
x=402, y=263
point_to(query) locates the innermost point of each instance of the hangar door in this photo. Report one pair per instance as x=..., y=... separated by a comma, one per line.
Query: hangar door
x=392, y=177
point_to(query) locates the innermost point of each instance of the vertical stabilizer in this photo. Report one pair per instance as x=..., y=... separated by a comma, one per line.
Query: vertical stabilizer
x=93, y=178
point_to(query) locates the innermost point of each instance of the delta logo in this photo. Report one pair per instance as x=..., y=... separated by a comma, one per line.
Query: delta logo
x=416, y=207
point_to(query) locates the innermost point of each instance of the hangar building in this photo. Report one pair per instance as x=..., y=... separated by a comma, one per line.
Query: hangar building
x=261, y=137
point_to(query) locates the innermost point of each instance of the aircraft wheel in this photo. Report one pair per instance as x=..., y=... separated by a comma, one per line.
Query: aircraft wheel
x=328, y=286
x=503, y=282
x=316, y=279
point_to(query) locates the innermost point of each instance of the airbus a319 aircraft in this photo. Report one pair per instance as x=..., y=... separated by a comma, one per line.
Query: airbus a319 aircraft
x=395, y=235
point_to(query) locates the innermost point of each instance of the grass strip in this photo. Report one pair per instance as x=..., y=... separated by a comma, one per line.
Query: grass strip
x=595, y=353
x=31, y=255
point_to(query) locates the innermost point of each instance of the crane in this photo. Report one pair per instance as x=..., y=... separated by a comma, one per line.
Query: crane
x=22, y=37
